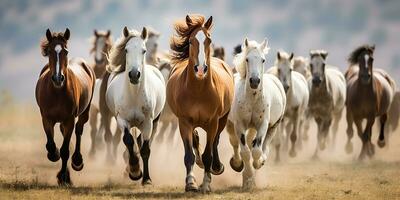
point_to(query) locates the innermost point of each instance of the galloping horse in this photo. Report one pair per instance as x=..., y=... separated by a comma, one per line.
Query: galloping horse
x=101, y=46
x=136, y=96
x=200, y=93
x=297, y=95
x=63, y=92
x=327, y=97
x=257, y=110
x=369, y=95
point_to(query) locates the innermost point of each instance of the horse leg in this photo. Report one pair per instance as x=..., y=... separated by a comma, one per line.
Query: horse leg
x=53, y=154
x=256, y=151
x=186, y=131
x=367, y=135
x=269, y=137
x=276, y=141
x=306, y=125
x=67, y=128
x=299, y=143
x=106, y=123
x=174, y=126
x=349, y=131
x=116, y=140
x=248, y=180
x=133, y=168
x=93, y=131
x=319, y=137
x=148, y=133
x=236, y=161
x=207, y=156
x=293, y=135
x=217, y=167
x=360, y=133
x=77, y=161
x=196, y=148
x=325, y=133
x=381, y=139
x=335, y=127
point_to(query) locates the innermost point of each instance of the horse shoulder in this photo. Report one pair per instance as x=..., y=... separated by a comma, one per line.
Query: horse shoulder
x=273, y=70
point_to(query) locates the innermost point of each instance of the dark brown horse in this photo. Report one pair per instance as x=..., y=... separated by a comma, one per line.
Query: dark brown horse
x=200, y=93
x=63, y=92
x=369, y=95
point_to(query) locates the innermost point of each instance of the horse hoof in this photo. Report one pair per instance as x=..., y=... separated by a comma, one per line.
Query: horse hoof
x=292, y=153
x=205, y=188
x=248, y=184
x=236, y=167
x=191, y=187
x=146, y=182
x=54, y=157
x=63, y=179
x=381, y=143
x=135, y=178
x=218, y=172
x=77, y=162
x=349, y=147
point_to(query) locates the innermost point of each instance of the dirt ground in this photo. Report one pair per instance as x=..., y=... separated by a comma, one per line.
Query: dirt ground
x=25, y=172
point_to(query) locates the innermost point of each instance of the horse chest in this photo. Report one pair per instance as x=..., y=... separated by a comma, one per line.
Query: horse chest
x=251, y=114
x=320, y=104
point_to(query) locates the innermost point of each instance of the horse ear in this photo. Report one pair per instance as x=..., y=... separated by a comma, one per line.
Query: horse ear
x=278, y=55
x=48, y=35
x=291, y=56
x=96, y=33
x=208, y=23
x=125, y=31
x=246, y=42
x=373, y=47
x=144, y=33
x=264, y=46
x=67, y=34
x=324, y=54
x=188, y=20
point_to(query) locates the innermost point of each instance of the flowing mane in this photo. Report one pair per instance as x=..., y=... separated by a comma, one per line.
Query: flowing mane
x=180, y=41
x=240, y=59
x=117, y=56
x=353, y=57
x=44, y=43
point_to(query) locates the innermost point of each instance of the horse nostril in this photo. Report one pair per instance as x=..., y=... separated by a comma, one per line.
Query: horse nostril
x=62, y=78
x=196, y=68
x=258, y=80
x=138, y=74
x=205, y=68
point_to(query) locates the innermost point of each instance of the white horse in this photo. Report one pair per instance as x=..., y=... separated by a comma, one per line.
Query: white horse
x=257, y=110
x=297, y=94
x=136, y=96
x=327, y=97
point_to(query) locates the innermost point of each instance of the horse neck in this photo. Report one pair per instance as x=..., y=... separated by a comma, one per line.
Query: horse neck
x=151, y=58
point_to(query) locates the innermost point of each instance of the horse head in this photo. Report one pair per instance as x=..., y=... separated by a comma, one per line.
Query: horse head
x=317, y=66
x=284, y=64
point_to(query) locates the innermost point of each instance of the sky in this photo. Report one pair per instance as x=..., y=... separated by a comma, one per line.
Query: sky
x=297, y=26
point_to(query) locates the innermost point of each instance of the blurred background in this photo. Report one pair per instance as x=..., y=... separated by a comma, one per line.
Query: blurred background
x=293, y=25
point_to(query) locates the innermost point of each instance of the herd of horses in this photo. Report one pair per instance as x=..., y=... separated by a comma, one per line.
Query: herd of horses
x=192, y=86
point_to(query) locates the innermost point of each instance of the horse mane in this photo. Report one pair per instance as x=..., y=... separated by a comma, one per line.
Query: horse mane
x=353, y=57
x=44, y=43
x=299, y=60
x=117, y=56
x=179, y=42
x=240, y=59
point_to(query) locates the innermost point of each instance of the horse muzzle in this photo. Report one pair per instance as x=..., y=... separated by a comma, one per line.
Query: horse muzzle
x=365, y=79
x=254, y=82
x=134, y=77
x=58, y=80
x=286, y=88
x=316, y=81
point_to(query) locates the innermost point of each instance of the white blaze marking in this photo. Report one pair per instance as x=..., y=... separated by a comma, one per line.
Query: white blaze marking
x=58, y=48
x=99, y=48
x=366, y=58
x=202, y=55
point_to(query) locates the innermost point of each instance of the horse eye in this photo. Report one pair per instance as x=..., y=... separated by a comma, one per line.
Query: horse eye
x=144, y=51
x=263, y=60
x=247, y=60
x=126, y=50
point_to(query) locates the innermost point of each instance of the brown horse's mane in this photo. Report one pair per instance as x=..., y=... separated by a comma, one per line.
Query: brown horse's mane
x=353, y=57
x=180, y=41
x=44, y=43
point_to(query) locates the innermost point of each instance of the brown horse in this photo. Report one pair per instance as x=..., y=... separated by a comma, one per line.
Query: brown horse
x=102, y=44
x=369, y=95
x=200, y=93
x=63, y=92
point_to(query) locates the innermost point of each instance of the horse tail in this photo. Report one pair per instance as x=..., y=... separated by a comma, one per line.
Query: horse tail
x=394, y=111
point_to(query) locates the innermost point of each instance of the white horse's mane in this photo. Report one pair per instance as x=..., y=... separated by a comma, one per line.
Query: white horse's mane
x=240, y=59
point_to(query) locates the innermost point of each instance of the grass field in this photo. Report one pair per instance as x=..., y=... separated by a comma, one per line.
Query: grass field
x=25, y=172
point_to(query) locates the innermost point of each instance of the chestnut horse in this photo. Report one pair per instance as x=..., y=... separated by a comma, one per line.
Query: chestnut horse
x=63, y=92
x=369, y=95
x=200, y=93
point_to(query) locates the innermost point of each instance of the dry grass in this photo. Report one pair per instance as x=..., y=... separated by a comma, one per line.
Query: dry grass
x=25, y=172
